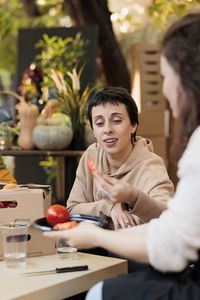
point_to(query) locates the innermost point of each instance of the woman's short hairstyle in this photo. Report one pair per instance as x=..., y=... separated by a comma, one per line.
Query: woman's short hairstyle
x=181, y=47
x=114, y=95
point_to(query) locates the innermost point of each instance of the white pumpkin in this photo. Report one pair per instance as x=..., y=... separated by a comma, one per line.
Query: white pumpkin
x=52, y=137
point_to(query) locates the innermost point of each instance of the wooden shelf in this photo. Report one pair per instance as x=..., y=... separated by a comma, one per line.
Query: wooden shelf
x=63, y=153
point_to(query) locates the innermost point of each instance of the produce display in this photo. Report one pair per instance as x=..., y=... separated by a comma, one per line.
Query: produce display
x=58, y=217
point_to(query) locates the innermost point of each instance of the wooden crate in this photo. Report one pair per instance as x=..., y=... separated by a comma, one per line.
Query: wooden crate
x=146, y=79
x=146, y=61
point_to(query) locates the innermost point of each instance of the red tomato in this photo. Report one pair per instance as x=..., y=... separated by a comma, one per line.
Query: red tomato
x=66, y=225
x=11, y=204
x=2, y=205
x=57, y=214
x=91, y=166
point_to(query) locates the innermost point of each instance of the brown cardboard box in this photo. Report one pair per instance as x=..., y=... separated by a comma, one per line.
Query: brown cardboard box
x=32, y=204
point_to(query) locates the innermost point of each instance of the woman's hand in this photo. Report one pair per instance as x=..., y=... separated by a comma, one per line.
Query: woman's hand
x=117, y=190
x=121, y=218
x=81, y=237
x=129, y=242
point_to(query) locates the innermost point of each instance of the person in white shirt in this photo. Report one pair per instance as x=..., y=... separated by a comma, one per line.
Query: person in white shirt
x=170, y=244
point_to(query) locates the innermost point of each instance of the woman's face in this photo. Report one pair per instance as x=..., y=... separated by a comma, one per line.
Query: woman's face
x=112, y=128
x=171, y=85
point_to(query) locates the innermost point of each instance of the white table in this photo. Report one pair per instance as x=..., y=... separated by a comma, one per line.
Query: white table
x=15, y=285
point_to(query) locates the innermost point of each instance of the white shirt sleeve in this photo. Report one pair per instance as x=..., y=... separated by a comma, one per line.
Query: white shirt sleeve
x=174, y=238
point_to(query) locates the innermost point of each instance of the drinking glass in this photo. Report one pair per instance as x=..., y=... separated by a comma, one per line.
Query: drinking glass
x=65, y=251
x=14, y=237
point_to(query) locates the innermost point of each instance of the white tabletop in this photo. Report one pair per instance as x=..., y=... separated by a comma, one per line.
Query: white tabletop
x=15, y=285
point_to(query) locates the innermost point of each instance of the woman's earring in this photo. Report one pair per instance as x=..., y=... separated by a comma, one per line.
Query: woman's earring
x=132, y=139
x=96, y=144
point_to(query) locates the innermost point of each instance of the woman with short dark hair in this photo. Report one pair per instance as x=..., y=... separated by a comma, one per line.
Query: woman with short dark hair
x=123, y=158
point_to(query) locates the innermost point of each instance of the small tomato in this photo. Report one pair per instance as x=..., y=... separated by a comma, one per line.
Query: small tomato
x=91, y=166
x=57, y=214
x=66, y=225
x=11, y=204
x=2, y=205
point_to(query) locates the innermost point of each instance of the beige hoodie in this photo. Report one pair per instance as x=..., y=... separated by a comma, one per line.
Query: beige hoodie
x=143, y=169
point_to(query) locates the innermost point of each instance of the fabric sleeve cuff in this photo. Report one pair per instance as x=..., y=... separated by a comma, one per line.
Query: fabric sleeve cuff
x=147, y=208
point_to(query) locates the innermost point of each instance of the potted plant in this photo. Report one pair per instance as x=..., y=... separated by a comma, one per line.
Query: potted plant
x=72, y=102
x=62, y=63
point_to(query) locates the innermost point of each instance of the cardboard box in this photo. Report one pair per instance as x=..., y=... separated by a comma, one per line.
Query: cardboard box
x=32, y=204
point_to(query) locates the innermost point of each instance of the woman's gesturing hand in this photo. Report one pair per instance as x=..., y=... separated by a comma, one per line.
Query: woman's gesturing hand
x=121, y=218
x=117, y=190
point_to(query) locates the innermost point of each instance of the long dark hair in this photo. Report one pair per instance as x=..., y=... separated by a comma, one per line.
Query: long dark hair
x=181, y=47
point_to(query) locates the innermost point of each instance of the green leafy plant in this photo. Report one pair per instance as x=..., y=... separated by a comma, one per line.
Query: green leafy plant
x=59, y=59
x=59, y=54
x=50, y=165
x=15, y=134
x=13, y=17
x=165, y=12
